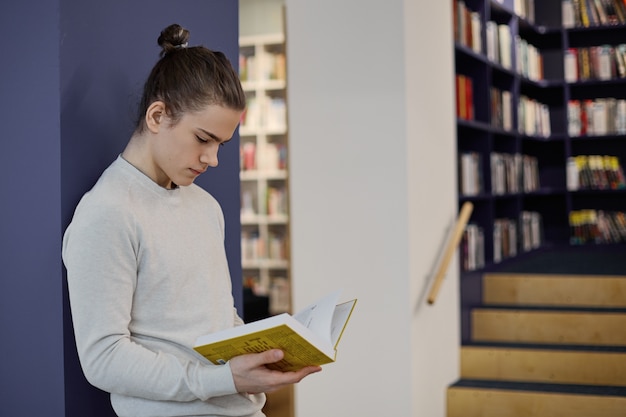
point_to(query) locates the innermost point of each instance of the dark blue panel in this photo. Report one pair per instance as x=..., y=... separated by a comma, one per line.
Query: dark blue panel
x=70, y=75
x=31, y=368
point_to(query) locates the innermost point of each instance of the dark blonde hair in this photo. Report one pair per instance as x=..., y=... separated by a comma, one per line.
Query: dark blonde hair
x=189, y=78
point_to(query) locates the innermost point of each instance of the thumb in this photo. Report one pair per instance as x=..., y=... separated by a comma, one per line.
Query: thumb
x=271, y=356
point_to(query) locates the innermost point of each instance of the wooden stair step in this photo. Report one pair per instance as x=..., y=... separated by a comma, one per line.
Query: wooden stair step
x=544, y=363
x=474, y=398
x=555, y=289
x=549, y=325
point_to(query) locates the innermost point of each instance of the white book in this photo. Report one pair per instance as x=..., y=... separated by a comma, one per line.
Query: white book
x=461, y=22
x=530, y=11
x=477, y=45
x=505, y=45
x=605, y=67
x=536, y=230
x=546, y=130
x=620, y=117
x=573, y=118
x=507, y=110
x=534, y=63
x=518, y=7
x=567, y=14
x=599, y=117
x=467, y=181
x=520, y=53
x=497, y=242
x=491, y=34
x=571, y=65
x=572, y=174
x=471, y=247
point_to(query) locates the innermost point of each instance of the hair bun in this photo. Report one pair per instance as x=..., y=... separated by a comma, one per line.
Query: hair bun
x=173, y=37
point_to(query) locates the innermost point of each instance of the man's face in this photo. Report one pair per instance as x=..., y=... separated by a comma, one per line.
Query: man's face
x=182, y=152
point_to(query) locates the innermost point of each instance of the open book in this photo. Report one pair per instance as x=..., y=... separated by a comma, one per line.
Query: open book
x=309, y=337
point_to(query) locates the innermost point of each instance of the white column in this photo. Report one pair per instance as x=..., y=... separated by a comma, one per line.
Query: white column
x=373, y=195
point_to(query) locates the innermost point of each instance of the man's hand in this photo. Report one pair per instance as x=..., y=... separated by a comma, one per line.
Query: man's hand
x=252, y=376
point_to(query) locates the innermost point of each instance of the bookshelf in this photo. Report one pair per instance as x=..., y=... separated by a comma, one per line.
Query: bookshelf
x=541, y=92
x=264, y=175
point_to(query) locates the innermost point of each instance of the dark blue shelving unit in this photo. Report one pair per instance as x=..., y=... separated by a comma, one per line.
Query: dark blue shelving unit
x=553, y=201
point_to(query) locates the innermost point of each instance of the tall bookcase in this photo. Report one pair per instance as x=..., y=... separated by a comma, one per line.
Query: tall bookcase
x=264, y=174
x=264, y=183
x=519, y=136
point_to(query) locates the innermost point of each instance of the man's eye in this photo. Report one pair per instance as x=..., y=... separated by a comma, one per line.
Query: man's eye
x=201, y=140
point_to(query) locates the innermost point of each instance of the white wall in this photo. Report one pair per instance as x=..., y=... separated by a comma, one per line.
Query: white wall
x=372, y=183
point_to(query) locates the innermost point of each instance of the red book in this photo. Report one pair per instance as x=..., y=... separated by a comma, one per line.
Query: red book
x=469, y=99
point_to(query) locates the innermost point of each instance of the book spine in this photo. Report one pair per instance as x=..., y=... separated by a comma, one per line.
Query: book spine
x=505, y=42
x=571, y=65
x=577, y=13
x=568, y=19
x=476, y=32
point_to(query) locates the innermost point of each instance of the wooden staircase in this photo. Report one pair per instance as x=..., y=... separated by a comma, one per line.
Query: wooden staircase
x=545, y=346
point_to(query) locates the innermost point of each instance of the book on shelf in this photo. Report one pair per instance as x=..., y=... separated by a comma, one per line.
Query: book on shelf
x=601, y=14
x=533, y=117
x=491, y=38
x=525, y=9
x=620, y=10
x=568, y=15
x=531, y=230
x=505, y=40
x=597, y=172
x=602, y=62
x=530, y=173
x=592, y=11
x=584, y=64
x=504, y=239
x=467, y=26
x=472, y=248
x=476, y=27
x=584, y=15
x=588, y=13
x=571, y=65
x=603, y=116
x=309, y=337
x=471, y=182
x=464, y=97
x=529, y=61
x=501, y=108
x=597, y=226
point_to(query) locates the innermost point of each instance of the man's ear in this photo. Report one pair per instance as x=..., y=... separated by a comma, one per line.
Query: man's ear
x=155, y=116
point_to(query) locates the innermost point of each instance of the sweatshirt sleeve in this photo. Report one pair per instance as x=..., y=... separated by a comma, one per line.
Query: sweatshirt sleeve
x=99, y=252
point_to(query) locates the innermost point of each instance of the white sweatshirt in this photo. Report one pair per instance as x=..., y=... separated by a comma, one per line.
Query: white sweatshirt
x=147, y=273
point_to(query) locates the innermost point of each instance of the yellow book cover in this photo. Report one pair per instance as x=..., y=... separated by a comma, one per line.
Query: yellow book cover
x=584, y=16
x=309, y=337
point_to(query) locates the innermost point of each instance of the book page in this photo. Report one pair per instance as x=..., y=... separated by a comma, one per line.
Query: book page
x=340, y=318
x=318, y=316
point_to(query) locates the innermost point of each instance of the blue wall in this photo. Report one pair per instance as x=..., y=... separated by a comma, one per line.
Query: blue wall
x=31, y=326
x=70, y=77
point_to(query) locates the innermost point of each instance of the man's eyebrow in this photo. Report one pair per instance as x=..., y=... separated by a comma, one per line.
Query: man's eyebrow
x=213, y=136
